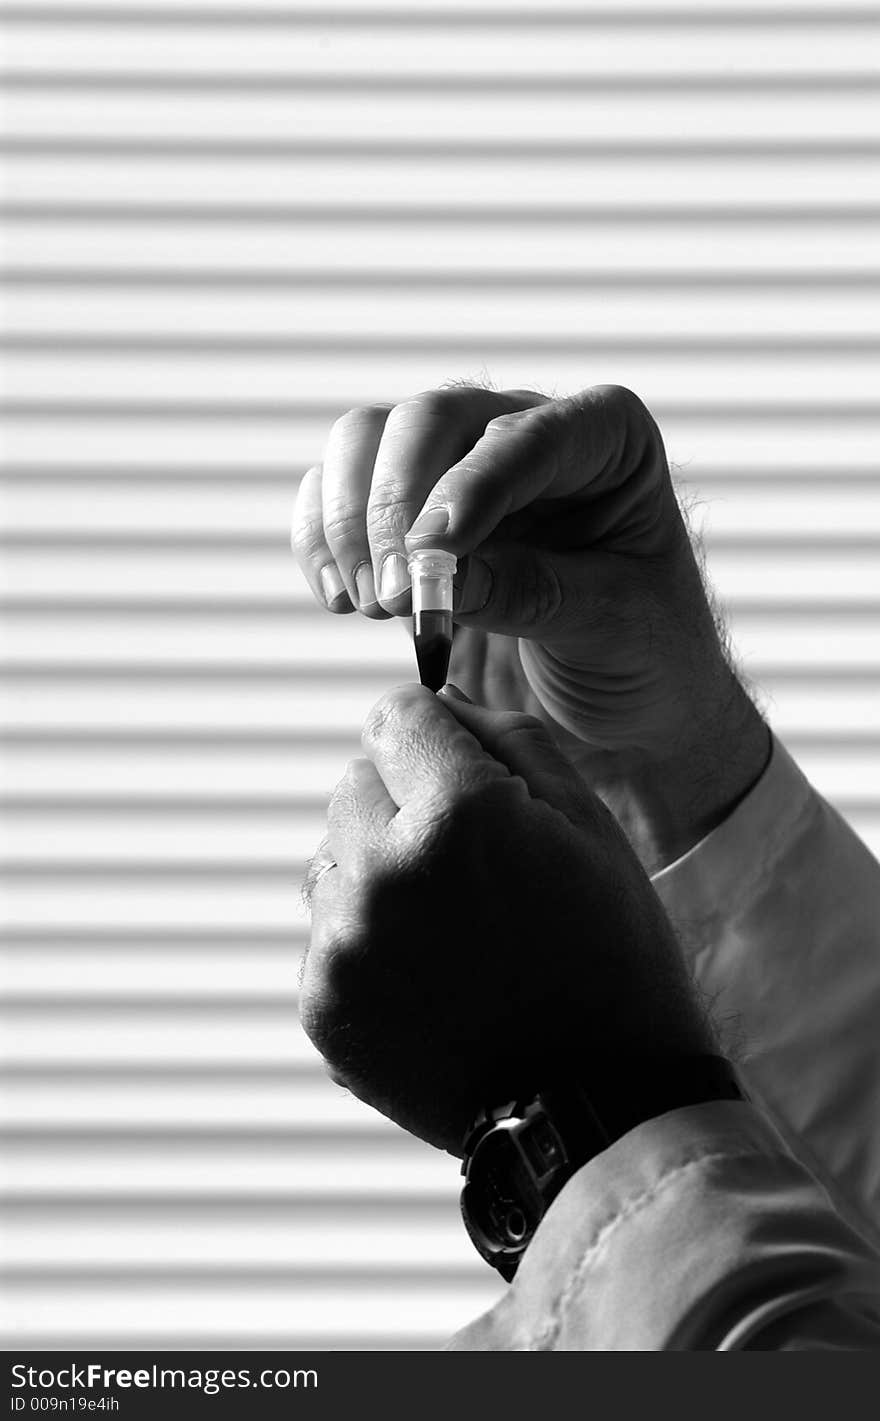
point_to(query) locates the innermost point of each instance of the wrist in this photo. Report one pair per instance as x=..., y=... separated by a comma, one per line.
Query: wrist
x=667, y=798
x=519, y=1156
x=668, y=802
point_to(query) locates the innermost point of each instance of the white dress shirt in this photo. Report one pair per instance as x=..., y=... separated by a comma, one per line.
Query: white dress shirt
x=731, y=1225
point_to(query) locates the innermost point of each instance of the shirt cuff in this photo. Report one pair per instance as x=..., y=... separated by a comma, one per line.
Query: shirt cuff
x=722, y=875
x=696, y=1231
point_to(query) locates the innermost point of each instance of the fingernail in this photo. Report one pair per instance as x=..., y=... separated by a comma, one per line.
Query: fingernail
x=429, y=524
x=455, y=694
x=366, y=586
x=332, y=585
x=476, y=589
x=393, y=578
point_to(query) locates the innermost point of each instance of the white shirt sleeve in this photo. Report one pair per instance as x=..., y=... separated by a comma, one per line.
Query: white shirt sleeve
x=779, y=912
x=697, y=1231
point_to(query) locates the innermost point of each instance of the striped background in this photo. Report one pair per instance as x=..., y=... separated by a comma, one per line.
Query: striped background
x=224, y=224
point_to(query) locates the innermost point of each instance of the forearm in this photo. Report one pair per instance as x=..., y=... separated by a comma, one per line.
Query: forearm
x=779, y=914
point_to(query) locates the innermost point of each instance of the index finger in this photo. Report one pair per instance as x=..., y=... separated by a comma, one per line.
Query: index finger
x=421, y=749
x=549, y=450
x=421, y=439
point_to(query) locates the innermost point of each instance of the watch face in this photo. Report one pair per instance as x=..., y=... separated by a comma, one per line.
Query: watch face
x=516, y=1161
x=500, y=1200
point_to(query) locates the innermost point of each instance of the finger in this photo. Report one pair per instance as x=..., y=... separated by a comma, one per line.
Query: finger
x=359, y=813
x=548, y=451
x=419, y=748
x=349, y=458
x=422, y=438
x=521, y=589
x=327, y=912
x=455, y=693
x=527, y=748
x=321, y=862
x=310, y=546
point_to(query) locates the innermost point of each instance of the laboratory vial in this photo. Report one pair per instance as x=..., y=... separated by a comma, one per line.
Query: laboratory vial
x=432, y=571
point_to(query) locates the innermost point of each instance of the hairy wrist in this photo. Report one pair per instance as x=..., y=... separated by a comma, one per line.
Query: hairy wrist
x=666, y=797
x=666, y=803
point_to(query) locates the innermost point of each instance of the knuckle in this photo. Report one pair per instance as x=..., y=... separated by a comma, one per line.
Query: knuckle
x=625, y=406
x=360, y=419
x=377, y=720
x=395, y=709
x=313, y=1010
x=493, y=796
x=548, y=595
x=386, y=502
x=331, y=989
x=460, y=797
x=620, y=395
x=380, y=718
x=640, y=439
x=535, y=424
x=502, y=424
x=531, y=735
x=337, y=1075
x=343, y=525
x=434, y=402
x=319, y=1020
x=512, y=419
x=319, y=861
x=536, y=597
x=354, y=771
x=428, y=407
x=520, y=723
x=345, y=793
x=307, y=535
x=407, y=414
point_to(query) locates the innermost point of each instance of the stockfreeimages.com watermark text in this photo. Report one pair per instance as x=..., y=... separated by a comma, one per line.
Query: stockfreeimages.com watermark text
x=78, y=1379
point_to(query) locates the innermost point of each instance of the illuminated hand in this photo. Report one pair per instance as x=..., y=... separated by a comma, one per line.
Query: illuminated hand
x=575, y=563
x=486, y=924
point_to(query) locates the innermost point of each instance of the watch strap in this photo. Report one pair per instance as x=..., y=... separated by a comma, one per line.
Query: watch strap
x=625, y=1093
x=519, y=1155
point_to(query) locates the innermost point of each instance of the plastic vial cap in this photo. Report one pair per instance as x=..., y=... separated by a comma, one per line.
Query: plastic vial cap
x=432, y=571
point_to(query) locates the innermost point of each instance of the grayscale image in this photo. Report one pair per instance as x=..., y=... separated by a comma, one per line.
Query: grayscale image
x=440, y=673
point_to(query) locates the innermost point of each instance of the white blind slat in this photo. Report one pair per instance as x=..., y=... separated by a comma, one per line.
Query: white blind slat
x=598, y=248
x=309, y=116
x=434, y=48
x=148, y=309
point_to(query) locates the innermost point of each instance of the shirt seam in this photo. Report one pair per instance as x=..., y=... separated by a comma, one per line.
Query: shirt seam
x=545, y=1340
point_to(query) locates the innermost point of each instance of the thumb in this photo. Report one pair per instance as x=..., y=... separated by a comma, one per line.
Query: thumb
x=526, y=747
x=522, y=590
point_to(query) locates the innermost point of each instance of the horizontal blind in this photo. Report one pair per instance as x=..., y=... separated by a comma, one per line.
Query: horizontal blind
x=223, y=225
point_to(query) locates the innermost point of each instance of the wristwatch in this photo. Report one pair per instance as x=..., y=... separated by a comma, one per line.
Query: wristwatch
x=518, y=1156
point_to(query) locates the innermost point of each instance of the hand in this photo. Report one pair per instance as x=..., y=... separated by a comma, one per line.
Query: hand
x=575, y=561
x=486, y=926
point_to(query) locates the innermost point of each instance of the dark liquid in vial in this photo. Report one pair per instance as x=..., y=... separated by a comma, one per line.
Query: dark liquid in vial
x=432, y=633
